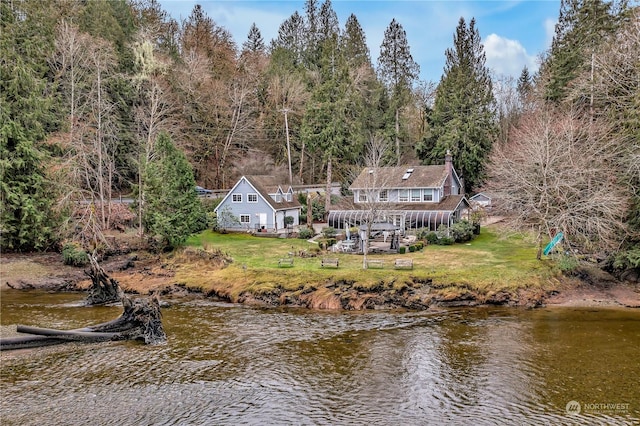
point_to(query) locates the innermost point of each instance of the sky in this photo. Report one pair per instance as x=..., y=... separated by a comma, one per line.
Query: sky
x=514, y=33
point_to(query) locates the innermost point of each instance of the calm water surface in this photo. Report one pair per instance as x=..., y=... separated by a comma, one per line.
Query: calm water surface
x=228, y=364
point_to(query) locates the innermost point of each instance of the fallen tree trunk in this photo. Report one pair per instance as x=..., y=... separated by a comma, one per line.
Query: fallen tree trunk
x=140, y=320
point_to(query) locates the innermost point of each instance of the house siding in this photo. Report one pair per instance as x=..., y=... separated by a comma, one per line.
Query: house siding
x=262, y=214
x=251, y=209
x=394, y=195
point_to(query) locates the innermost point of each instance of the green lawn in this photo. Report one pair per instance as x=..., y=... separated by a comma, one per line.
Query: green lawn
x=490, y=263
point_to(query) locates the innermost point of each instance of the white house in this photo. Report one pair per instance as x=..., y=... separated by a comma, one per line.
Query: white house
x=407, y=197
x=481, y=200
x=258, y=203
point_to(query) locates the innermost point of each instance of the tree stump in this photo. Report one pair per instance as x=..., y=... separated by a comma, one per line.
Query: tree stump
x=104, y=289
x=140, y=320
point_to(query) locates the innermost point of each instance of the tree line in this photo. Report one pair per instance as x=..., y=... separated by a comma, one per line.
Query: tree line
x=98, y=97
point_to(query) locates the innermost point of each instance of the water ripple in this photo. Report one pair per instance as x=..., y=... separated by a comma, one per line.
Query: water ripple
x=226, y=364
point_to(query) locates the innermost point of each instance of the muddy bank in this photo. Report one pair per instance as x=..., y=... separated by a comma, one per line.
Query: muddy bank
x=142, y=272
x=416, y=294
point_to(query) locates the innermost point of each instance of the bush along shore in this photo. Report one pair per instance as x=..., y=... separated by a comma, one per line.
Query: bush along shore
x=492, y=269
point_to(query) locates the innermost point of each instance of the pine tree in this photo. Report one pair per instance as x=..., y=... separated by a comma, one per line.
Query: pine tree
x=325, y=126
x=582, y=25
x=27, y=221
x=354, y=44
x=172, y=211
x=398, y=71
x=462, y=118
x=525, y=85
x=254, y=43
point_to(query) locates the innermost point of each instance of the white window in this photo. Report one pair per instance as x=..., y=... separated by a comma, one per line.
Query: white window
x=236, y=198
x=252, y=198
x=362, y=197
x=427, y=195
x=384, y=196
x=245, y=218
x=403, y=195
x=278, y=198
x=415, y=195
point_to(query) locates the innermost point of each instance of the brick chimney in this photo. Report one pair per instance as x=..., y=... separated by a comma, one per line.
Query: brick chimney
x=448, y=168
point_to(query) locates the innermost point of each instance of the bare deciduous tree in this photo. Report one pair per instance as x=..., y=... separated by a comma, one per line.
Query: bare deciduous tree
x=371, y=200
x=83, y=64
x=154, y=113
x=557, y=173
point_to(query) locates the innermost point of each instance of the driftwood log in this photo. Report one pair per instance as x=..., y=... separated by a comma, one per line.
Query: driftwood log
x=104, y=289
x=141, y=319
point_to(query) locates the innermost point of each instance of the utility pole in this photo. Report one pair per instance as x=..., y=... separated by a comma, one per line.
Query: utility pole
x=286, y=127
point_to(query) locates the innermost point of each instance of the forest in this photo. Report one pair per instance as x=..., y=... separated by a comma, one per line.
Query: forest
x=102, y=99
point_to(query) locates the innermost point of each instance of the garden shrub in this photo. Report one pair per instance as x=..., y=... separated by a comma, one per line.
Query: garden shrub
x=73, y=254
x=432, y=238
x=446, y=241
x=402, y=249
x=461, y=231
x=329, y=232
x=305, y=233
x=412, y=248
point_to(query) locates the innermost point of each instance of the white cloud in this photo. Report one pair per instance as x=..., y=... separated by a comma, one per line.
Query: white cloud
x=549, y=30
x=508, y=57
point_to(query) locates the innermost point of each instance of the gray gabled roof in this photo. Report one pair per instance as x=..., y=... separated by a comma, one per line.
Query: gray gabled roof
x=266, y=185
x=392, y=177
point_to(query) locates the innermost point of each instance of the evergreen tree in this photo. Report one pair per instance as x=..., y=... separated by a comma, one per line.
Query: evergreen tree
x=172, y=210
x=582, y=25
x=311, y=32
x=325, y=126
x=525, y=85
x=398, y=71
x=354, y=44
x=328, y=22
x=254, y=43
x=27, y=221
x=288, y=48
x=462, y=118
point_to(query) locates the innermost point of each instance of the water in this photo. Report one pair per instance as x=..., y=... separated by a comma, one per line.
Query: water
x=228, y=364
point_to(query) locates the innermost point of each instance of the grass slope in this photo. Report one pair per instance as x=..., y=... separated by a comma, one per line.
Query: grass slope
x=489, y=264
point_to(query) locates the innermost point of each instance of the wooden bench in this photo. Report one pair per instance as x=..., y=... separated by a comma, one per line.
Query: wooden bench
x=375, y=263
x=403, y=264
x=329, y=262
x=285, y=262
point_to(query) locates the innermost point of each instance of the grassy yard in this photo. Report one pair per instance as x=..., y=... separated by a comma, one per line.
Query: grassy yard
x=489, y=264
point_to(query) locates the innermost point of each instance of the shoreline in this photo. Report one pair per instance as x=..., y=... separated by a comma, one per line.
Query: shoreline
x=145, y=273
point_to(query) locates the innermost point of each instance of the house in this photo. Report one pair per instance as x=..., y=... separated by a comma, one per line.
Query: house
x=481, y=200
x=258, y=203
x=406, y=197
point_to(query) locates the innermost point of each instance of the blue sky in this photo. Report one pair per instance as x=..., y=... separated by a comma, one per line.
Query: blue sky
x=514, y=33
